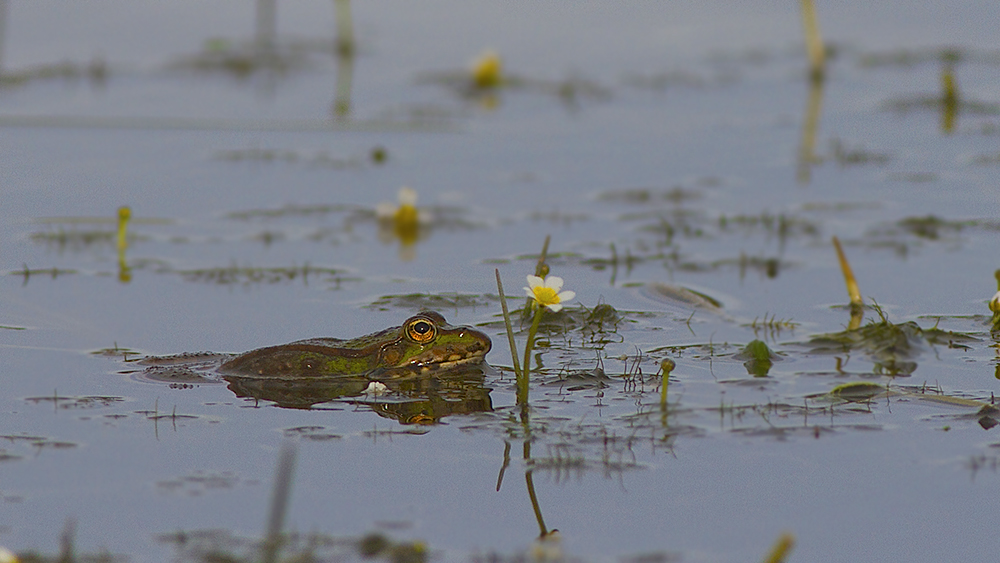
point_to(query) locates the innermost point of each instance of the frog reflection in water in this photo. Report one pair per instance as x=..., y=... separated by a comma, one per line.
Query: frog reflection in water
x=424, y=343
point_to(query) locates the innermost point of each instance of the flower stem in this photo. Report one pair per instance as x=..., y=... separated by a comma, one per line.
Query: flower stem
x=522, y=380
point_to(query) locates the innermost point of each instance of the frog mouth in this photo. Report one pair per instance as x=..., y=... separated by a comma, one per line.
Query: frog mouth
x=446, y=357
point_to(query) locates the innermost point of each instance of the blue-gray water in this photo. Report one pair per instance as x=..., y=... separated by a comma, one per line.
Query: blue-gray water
x=670, y=135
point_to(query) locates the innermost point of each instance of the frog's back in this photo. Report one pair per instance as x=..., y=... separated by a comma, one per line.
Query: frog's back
x=315, y=357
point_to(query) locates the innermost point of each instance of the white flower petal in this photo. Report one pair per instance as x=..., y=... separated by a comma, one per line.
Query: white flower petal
x=408, y=196
x=535, y=281
x=375, y=388
x=554, y=282
x=566, y=295
x=554, y=307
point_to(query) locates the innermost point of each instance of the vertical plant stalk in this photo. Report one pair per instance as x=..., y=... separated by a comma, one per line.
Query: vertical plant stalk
x=510, y=330
x=279, y=502
x=124, y=214
x=781, y=549
x=522, y=383
x=857, y=305
x=995, y=307
x=666, y=366
x=807, y=148
x=541, y=268
x=949, y=99
x=814, y=43
x=345, y=27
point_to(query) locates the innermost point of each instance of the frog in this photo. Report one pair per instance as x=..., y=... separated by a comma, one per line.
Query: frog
x=424, y=343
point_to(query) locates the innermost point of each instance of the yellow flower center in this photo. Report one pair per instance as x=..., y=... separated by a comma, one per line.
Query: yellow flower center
x=546, y=295
x=486, y=71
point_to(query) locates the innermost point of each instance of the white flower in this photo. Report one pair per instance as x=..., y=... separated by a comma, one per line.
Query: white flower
x=995, y=303
x=376, y=388
x=407, y=196
x=405, y=215
x=546, y=292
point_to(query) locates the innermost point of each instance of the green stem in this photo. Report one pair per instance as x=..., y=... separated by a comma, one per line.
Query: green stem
x=510, y=329
x=522, y=380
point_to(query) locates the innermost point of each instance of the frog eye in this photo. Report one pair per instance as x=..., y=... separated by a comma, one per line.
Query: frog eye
x=421, y=331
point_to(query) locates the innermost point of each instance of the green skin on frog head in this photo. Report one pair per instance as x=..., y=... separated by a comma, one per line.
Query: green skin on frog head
x=423, y=343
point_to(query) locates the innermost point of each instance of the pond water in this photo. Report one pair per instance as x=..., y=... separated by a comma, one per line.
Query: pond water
x=660, y=145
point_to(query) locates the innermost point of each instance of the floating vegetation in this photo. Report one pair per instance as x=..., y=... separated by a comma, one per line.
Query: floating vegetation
x=758, y=358
x=86, y=402
x=67, y=552
x=683, y=296
x=96, y=71
x=199, y=482
x=115, y=351
x=783, y=226
x=942, y=104
x=643, y=196
x=432, y=301
x=839, y=206
x=892, y=347
x=313, y=433
x=242, y=59
x=772, y=326
x=845, y=155
x=857, y=391
x=933, y=228
x=323, y=159
x=680, y=79
x=292, y=211
x=209, y=546
x=74, y=240
x=236, y=275
x=485, y=78
x=912, y=57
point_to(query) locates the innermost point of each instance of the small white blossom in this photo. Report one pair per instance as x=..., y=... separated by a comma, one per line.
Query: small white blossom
x=546, y=292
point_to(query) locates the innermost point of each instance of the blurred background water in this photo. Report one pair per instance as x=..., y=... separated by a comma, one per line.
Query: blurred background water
x=657, y=143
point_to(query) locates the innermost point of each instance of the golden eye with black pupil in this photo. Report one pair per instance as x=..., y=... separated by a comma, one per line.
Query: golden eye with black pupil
x=421, y=331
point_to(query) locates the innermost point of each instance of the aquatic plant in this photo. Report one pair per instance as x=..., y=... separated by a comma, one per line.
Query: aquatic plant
x=546, y=292
x=892, y=347
x=995, y=304
x=781, y=549
x=486, y=71
x=814, y=43
x=758, y=358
